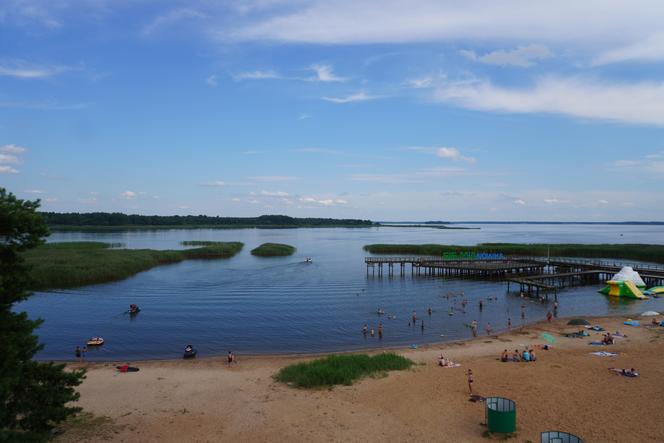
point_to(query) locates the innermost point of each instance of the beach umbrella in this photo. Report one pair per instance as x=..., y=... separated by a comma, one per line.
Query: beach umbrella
x=578, y=322
x=650, y=314
x=548, y=337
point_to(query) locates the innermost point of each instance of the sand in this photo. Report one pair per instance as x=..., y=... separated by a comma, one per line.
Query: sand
x=205, y=400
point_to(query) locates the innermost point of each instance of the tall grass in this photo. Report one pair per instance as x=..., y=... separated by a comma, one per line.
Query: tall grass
x=641, y=252
x=67, y=265
x=340, y=369
x=273, y=250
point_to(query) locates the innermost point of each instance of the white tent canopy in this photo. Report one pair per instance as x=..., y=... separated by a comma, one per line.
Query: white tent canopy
x=629, y=274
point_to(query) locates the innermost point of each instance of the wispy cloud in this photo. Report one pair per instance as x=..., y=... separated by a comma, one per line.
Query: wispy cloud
x=211, y=80
x=7, y=170
x=419, y=176
x=25, y=70
x=443, y=152
x=257, y=75
x=12, y=149
x=641, y=103
x=128, y=195
x=274, y=194
x=272, y=178
x=214, y=184
x=323, y=73
x=47, y=105
x=319, y=151
x=649, y=49
x=352, y=98
x=323, y=201
x=519, y=202
x=10, y=155
x=170, y=18
x=652, y=163
x=521, y=56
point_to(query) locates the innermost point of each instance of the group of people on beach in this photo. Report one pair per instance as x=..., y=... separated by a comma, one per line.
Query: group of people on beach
x=527, y=355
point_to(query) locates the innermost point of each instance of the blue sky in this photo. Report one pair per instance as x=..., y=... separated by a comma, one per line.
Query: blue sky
x=383, y=110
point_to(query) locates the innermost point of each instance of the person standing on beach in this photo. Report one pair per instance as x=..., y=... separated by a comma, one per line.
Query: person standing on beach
x=77, y=352
x=509, y=323
x=555, y=309
x=549, y=316
x=473, y=327
x=470, y=381
x=488, y=329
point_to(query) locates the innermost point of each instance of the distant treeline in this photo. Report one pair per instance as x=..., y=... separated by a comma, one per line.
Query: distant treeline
x=116, y=219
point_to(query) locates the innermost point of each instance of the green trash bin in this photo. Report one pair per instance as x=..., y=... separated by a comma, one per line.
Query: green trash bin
x=500, y=415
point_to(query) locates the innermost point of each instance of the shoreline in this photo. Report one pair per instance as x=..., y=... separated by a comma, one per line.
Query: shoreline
x=368, y=350
x=208, y=400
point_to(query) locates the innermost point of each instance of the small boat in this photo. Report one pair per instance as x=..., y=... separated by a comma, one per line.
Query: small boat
x=95, y=341
x=308, y=260
x=134, y=309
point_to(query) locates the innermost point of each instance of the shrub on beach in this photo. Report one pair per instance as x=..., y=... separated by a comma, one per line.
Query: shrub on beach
x=340, y=369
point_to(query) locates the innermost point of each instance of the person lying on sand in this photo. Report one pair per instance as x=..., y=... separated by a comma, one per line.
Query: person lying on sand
x=625, y=372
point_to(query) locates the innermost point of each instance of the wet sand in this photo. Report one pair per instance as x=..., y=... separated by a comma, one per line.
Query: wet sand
x=567, y=389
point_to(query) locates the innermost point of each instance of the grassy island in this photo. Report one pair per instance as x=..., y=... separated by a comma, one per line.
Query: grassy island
x=641, y=252
x=273, y=250
x=340, y=369
x=68, y=265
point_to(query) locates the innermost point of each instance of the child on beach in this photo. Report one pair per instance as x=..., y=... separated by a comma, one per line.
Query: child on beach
x=470, y=381
x=549, y=316
x=488, y=329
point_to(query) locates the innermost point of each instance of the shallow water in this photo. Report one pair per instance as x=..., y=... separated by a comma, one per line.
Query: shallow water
x=283, y=305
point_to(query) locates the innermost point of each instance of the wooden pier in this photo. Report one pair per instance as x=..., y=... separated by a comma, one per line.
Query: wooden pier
x=536, y=276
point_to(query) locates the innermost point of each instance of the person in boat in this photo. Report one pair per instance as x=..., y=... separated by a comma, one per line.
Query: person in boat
x=188, y=348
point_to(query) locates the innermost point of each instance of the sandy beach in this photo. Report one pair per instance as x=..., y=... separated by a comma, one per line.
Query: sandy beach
x=567, y=389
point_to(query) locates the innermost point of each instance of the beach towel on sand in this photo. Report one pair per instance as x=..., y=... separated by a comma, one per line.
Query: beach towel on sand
x=604, y=354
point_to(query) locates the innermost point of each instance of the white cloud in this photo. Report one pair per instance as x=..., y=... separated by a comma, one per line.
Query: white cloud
x=215, y=184
x=395, y=21
x=641, y=103
x=323, y=201
x=453, y=154
x=319, y=151
x=603, y=202
x=11, y=159
x=443, y=152
x=33, y=191
x=553, y=201
x=171, y=18
x=274, y=194
x=519, y=201
x=50, y=199
x=128, y=195
x=272, y=178
x=24, y=70
x=8, y=170
x=257, y=75
x=649, y=49
x=653, y=163
x=421, y=82
x=211, y=80
x=235, y=199
x=12, y=149
x=357, y=97
x=323, y=73
x=521, y=56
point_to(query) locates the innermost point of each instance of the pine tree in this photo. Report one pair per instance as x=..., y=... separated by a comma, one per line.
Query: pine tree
x=33, y=395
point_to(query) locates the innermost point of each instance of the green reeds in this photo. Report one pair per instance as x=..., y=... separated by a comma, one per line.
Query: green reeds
x=273, y=250
x=340, y=369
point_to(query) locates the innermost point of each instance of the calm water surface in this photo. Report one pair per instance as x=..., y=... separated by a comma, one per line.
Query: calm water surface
x=282, y=305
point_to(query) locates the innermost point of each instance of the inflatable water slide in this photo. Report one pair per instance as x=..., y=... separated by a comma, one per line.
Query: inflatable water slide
x=626, y=283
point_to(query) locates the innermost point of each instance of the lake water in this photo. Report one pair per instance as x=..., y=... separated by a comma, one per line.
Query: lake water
x=282, y=305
